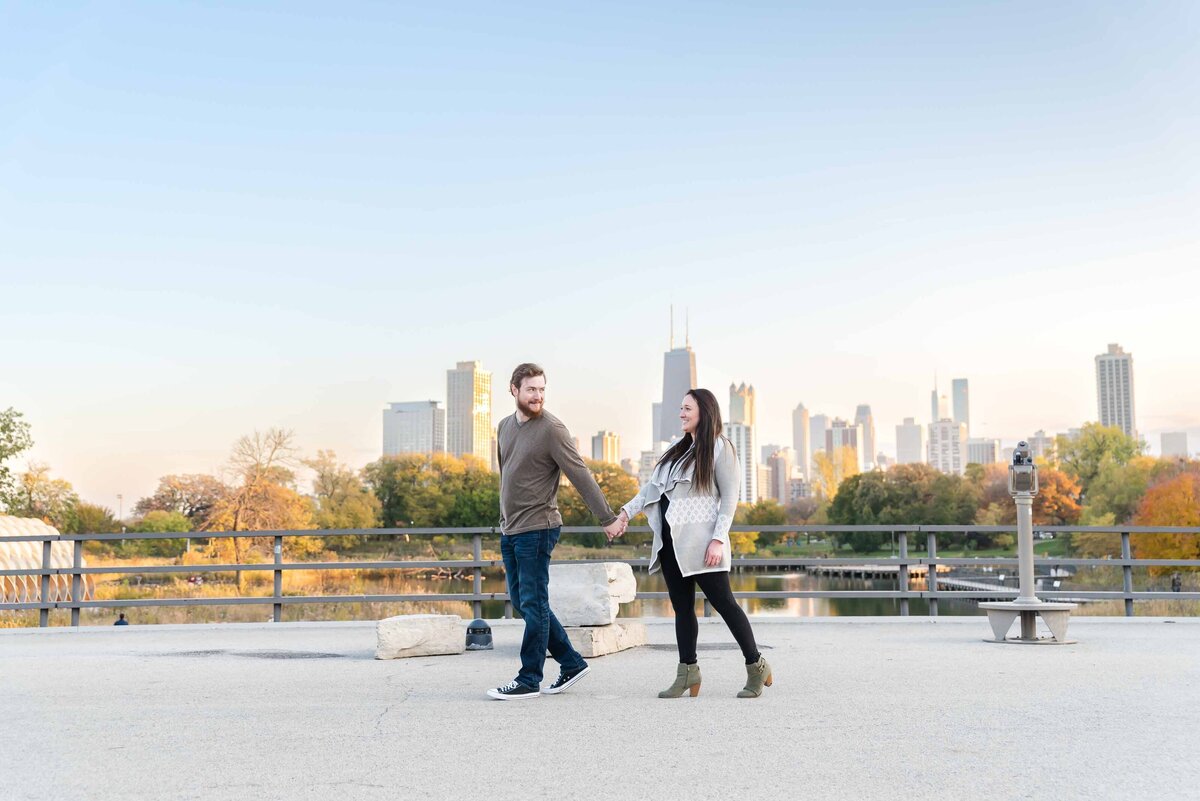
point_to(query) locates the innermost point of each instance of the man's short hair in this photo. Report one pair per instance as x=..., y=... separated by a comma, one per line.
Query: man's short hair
x=523, y=371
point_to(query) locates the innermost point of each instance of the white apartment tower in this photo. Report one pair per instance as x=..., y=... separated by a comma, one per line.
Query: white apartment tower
x=414, y=427
x=469, y=411
x=1114, y=389
x=863, y=418
x=948, y=446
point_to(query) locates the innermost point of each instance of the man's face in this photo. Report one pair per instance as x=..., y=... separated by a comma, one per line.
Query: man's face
x=530, y=395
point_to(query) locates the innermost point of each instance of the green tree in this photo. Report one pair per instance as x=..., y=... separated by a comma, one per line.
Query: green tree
x=618, y=488
x=910, y=494
x=1084, y=456
x=91, y=518
x=51, y=499
x=434, y=491
x=764, y=512
x=343, y=500
x=159, y=522
x=15, y=438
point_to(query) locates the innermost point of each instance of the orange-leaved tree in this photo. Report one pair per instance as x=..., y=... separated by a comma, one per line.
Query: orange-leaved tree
x=1175, y=502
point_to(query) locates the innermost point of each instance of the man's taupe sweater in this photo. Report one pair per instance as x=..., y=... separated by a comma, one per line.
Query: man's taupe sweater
x=532, y=455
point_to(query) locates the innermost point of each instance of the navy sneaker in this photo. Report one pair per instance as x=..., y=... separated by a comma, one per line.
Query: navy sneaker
x=514, y=691
x=565, y=680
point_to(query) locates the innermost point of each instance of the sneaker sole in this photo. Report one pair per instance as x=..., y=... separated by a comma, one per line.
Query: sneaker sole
x=569, y=684
x=503, y=697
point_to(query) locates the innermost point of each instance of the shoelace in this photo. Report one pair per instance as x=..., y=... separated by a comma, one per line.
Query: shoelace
x=507, y=688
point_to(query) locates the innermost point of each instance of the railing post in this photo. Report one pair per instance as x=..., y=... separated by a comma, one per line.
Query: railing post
x=707, y=608
x=278, y=607
x=931, y=573
x=76, y=580
x=477, y=548
x=1126, y=555
x=508, y=612
x=44, y=611
x=903, y=571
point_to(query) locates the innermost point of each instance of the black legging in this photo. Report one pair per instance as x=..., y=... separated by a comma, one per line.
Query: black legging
x=683, y=600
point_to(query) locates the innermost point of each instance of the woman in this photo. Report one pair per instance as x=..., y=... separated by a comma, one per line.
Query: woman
x=690, y=500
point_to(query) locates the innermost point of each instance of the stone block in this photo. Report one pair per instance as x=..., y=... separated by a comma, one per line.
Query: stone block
x=593, y=641
x=419, y=635
x=590, y=595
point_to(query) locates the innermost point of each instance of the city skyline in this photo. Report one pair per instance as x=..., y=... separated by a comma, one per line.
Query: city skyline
x=217, y=219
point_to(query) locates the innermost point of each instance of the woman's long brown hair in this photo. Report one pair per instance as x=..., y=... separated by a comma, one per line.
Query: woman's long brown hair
x=708, y=429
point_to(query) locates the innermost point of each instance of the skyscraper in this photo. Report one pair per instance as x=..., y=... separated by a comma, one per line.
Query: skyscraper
x=414, y=427
x=910, y=442
x=962, y=403
x=655, y=422
x=740, y=430
x=1114, y=389
x=818, y=424
x=862, y=417
x=781, y=465
x=845, y=435
x=741, y=404
x=606, y=447
x=469, y=411
x=742, y=437
x=801, y=436
x=981, y=450
x=679, y=376
x=948, y=446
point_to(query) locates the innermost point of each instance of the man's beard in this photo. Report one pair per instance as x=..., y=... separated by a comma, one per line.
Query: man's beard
x=528, y=412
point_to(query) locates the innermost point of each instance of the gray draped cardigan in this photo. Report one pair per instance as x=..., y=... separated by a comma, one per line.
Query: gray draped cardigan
x=696, y=518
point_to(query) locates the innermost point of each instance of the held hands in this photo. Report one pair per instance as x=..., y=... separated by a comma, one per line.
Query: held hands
x=714, y=554
x=617, y=527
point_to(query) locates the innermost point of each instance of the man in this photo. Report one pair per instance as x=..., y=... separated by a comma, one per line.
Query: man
x=534, y=449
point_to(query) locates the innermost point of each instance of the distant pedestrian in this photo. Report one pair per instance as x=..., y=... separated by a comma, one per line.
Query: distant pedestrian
x=689, y=501
x=534, y=449
x=121, y=621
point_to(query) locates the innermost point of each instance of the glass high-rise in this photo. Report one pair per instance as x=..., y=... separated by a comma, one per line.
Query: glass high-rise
x=469, y=411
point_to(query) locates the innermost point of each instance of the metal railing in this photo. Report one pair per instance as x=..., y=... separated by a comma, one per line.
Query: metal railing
x=903, y=562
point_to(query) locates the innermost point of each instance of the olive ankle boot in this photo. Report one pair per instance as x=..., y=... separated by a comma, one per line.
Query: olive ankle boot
x=687, y=679
x=757, y=675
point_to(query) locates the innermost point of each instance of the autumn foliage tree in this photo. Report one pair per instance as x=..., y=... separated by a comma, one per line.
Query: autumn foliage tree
x=1175, y=502
x=261, y=497
x=618, y=488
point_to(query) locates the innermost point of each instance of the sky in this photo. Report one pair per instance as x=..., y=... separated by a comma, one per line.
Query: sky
x=216, y=218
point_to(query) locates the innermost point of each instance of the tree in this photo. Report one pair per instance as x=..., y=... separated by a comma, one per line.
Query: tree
x=158, y=522
x=803, y=512
x=51, y=499
x=764, y=512
x=618, y=488
x=192, y=495
x=262, y=498
x=1175, y=502
x=829, y=471
x=343, y=500
x=92, y=518
x=1056, y=504
x=420, y=490
x=909, y=494
x=1084, y=456
x=15, y=439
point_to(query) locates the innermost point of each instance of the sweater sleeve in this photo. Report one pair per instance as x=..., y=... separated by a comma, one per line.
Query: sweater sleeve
x=571, y=463
x=637, y=502
x=727, y=488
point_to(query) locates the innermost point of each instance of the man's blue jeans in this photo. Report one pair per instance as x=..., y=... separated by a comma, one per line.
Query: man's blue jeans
x=527, y=569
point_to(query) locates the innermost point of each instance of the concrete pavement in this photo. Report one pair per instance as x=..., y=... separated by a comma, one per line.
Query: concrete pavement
x=862, y=708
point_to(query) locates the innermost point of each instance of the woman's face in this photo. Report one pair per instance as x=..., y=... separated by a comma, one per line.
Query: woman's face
x=689, y=414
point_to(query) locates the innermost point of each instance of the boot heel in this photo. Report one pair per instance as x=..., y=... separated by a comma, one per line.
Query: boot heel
x=770, y=679
x=694, y=690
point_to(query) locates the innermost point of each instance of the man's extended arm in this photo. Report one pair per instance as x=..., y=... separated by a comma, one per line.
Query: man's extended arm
x=571, y=463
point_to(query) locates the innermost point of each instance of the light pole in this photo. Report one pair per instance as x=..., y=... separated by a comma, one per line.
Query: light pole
x=120, y=507
x=1023, y=486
